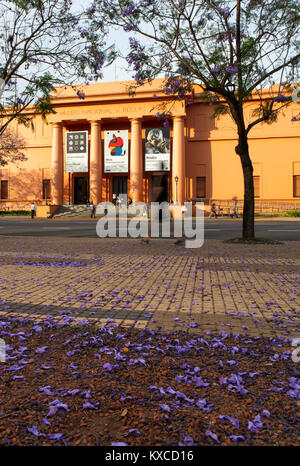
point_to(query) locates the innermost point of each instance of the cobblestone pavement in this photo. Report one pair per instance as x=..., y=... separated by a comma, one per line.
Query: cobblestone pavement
x=250, y=289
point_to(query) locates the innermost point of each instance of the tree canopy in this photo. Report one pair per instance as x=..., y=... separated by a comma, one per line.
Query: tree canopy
x=44, y=44
x=232, y=49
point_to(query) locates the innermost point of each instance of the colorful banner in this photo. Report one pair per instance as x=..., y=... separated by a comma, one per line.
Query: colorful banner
x=76, y=151
x=116, y=151
x=157, y=149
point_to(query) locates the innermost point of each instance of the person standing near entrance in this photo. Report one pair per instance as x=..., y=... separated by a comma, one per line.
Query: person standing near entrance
x=33, y=209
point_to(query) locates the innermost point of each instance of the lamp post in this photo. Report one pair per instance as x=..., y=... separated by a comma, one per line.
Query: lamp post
x=176, y=181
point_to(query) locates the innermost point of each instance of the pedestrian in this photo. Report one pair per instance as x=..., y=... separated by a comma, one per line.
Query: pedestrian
x=145, y=213
x=235, y=211
x=33, y=209
x=93, y=210
x=114, y=199
x=213, y=212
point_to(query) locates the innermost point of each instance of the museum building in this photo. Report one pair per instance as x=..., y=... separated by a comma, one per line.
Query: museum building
x=111, y=143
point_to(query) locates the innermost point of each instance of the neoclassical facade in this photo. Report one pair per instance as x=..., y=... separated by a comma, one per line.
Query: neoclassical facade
x=126, y=149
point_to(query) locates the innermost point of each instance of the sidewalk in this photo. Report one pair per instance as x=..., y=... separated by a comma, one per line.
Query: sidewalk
x=237, y=288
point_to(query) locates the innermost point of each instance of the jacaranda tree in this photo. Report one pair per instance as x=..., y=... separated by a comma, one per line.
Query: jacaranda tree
x=11, y=147
x=43, y=44
x=232, y=49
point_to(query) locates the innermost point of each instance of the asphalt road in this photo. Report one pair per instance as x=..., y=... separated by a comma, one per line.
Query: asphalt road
x=285, y=230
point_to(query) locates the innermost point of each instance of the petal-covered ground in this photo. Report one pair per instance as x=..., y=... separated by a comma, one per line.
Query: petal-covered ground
x=72, y=383
x=178, y=346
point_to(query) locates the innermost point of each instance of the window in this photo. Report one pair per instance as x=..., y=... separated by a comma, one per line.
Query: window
x=46, y=189
x=296, y=189
x=256, y=182
x=200, y=186
x=4, y=189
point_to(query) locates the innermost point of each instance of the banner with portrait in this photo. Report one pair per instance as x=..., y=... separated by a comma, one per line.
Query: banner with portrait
x=157, y=149
x=76, y=152
x=116, y=151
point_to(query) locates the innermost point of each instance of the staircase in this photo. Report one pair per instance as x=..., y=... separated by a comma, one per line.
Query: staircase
x=72, y=211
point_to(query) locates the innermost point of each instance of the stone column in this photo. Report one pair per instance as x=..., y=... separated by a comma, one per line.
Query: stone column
x=96, y=163
x=57, y=165
x=136, y=161
x=178, y=166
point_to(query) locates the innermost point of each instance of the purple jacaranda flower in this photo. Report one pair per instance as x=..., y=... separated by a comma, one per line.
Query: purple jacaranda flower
x=86, y=394
x=46, y=390
x=266, y=413
x=187, y=441
x=72, y=366
x=73, y=392
x=46, y=367
x=55, y=406
x=41, y=350
x=45, y=421
x=199, y=382
x=88, y=405
x=202, y=404
x=37, y=328
x=118, y=444
x=164, y=407
x=34, y=430
x=232, y=420
x=56, y=437
x=134, y=432
x=254, y=425
x=107, y=366
x=231, y=362
x=281, y=98
x=236, y=438
x=210, y=434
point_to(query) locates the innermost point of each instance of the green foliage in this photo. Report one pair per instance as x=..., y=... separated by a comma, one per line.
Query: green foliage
x=15, y=212
x=292, y=213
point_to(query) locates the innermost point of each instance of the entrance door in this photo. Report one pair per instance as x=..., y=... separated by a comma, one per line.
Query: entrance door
x=81, y=189
x=119, y=185
x=159, y=188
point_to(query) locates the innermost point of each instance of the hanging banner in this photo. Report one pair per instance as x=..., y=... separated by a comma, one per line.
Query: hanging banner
x=116, y=151
x=157, y=149
x=76, y=151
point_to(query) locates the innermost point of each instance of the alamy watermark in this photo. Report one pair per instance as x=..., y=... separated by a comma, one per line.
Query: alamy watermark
x=296, y=94
x=296, y=352
x=2, y=350
x=154, y=220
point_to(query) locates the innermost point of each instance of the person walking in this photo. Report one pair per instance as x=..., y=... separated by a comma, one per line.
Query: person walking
x=33, y=209
x=235, y=211
x=213, y=212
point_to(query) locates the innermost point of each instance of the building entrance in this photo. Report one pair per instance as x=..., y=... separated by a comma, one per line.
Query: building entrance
x=120, y=185
x=81, y=189
x=159, y=188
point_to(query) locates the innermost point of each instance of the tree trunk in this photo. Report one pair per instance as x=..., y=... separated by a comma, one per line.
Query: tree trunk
x=242, y=150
